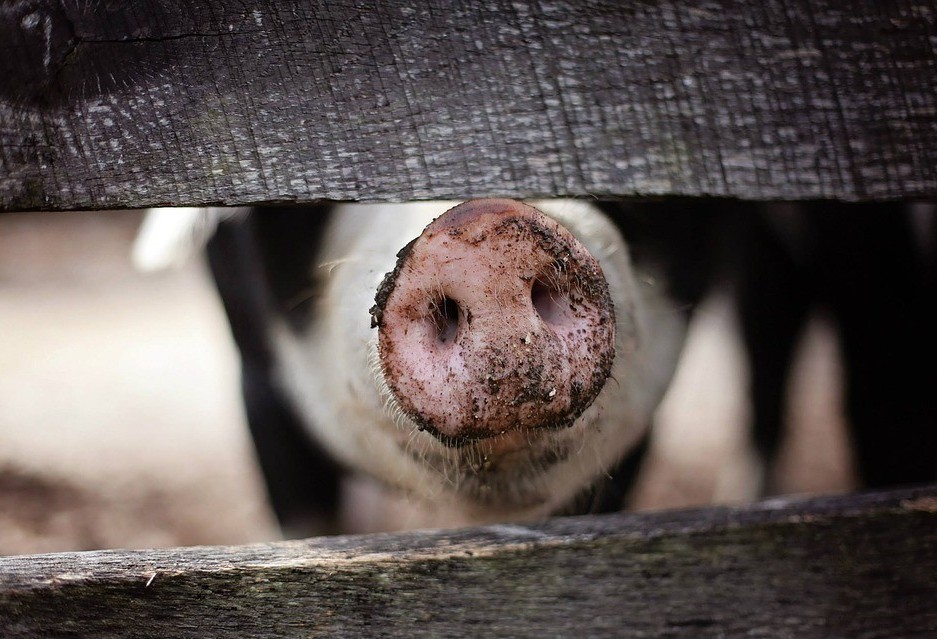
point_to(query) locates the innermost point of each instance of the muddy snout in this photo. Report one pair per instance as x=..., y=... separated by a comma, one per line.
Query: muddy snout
x=494, y=320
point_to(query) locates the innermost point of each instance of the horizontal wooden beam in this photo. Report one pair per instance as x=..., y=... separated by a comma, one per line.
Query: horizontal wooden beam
x=848, y=566
x=167, y=102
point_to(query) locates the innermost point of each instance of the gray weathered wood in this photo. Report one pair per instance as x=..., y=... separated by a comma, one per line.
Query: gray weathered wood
x=106, y=105
x=856, y=566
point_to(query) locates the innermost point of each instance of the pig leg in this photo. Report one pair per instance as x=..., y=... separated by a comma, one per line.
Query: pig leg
x=678, y=246
x=863, y=265
x=876, y=285
x=773, y=303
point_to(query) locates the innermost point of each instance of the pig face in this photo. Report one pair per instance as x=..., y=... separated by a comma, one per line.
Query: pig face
x=494, y=355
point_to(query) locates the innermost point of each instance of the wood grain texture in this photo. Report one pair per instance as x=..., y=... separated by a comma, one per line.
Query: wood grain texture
x=854, y=566
x=107, y=105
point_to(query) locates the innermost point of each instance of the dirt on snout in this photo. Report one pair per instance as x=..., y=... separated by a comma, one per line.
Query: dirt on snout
x=469, y=347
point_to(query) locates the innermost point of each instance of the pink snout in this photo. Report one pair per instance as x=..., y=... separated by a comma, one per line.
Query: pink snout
x=494, y=320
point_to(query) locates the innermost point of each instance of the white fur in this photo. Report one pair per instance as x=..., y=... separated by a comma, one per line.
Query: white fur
x=332, y=372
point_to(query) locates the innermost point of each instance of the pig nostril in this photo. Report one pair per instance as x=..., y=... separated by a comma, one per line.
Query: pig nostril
x=444, y=314
x=550, y=302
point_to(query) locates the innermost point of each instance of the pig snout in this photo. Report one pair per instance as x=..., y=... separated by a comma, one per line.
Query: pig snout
x=495, y=320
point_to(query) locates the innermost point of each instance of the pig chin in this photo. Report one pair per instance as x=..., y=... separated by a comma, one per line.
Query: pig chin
x=517, y=470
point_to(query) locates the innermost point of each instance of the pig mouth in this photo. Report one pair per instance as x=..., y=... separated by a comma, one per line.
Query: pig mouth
x=509, y=470
x=510, y=438
x=505, y=471
x=421, y=442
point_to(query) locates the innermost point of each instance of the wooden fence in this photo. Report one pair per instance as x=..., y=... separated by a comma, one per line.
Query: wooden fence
x=125, y=105
x=171, y=102
x=857, y=566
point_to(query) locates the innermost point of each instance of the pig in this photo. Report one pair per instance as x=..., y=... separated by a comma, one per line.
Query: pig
x=512, y=374
x=497, y=358
x=871, y=269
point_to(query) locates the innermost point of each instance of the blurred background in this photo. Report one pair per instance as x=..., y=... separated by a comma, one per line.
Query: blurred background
x=121, y=423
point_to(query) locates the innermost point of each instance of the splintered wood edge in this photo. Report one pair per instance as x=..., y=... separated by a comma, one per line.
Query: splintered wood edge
x=855, y=566
x=51, y=571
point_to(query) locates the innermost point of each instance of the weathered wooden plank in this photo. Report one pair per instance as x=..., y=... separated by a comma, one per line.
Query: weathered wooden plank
x=106, y=105
x=857, y=566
